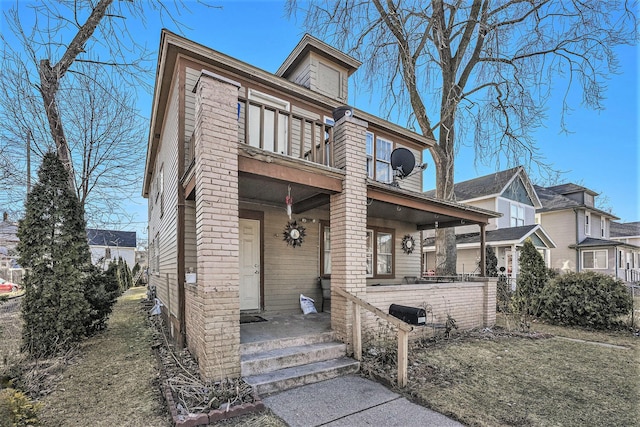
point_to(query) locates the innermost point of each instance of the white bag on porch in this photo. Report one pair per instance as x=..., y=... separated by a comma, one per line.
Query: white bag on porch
x=306, y=304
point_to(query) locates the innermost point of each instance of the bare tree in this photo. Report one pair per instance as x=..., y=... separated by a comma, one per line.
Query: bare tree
x=55, y=52
x=480, y=69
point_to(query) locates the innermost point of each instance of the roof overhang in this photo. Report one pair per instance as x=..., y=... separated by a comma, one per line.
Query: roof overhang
x=387, y=201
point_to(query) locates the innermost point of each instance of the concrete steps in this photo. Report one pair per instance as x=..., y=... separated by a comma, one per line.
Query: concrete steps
x=276, y=365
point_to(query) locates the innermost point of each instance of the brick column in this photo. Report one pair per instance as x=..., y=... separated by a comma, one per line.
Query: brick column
x=349, y=223
x=215, y=336
x=489, y=306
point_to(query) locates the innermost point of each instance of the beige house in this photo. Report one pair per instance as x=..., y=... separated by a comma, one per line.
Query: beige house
x=510, y=193
x=256, y=191
x=582, y=233
x=627, y=233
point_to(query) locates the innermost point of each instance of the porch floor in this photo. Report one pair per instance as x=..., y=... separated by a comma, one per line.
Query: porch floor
x=279, y=325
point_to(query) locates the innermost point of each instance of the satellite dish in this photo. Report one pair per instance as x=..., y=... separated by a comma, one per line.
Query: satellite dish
x=402, y=162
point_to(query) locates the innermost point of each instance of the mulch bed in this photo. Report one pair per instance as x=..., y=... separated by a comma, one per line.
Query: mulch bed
x=191, y=400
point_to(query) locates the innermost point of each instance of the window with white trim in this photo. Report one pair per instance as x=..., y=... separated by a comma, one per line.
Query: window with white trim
x=369, y=155
x=596, y=260
x=587, y=223
x=383, y=160
x=603, y=227
x=517, y=215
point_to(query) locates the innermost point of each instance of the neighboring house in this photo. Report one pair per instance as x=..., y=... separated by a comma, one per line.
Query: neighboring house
x=8, y=233
x=109, y=245
x=256, y=190
x=9, y=268
x=510, y=193
x=581, y=231
x=628, y=256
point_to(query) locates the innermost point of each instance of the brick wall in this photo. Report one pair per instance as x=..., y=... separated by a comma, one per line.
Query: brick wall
x=471, y=304
x=213, y=305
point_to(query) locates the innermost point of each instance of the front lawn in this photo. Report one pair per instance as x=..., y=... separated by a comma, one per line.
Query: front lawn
x=495, y=378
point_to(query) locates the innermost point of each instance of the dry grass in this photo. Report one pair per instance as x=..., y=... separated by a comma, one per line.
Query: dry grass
x=113, y=382
x=488, y=379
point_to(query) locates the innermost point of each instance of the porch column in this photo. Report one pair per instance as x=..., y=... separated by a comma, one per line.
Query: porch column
x=214, y=336
x=483, y=250
x=349, y=223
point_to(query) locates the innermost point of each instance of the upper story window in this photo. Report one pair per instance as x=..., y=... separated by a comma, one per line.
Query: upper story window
x=369, y=155
x=265, y=117
x=517, y=215
x=603, y=227
x=383, y=160
x=587, y=223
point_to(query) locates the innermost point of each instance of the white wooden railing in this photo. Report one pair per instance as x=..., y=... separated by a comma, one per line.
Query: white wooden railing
x=403, y=331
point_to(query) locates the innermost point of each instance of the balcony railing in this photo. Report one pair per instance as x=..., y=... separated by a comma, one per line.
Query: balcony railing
x=280, y=131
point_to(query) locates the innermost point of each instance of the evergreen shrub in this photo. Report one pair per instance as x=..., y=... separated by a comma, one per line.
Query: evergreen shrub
x=587, y=299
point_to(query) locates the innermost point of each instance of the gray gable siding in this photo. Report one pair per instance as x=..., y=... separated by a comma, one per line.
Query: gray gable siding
x=516, y=191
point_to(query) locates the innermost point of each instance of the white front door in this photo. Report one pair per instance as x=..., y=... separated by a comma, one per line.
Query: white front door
x=249, y=264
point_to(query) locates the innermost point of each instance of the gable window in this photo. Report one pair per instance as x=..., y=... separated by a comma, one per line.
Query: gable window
x=369, y=155
x=596, y=260
x=517, y=216
x=107, y=253
x=587, y=223
x=265, y=115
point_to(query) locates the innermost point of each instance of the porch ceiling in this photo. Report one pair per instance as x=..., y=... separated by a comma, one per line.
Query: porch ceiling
x=272, y=192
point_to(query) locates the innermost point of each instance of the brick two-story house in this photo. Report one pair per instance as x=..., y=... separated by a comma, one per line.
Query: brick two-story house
x=256, y=190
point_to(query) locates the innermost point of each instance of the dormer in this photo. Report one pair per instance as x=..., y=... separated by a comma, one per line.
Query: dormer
x=577, y=193
x=319, y=67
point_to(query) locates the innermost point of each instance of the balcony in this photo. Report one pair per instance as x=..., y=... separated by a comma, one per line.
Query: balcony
x=280, y=131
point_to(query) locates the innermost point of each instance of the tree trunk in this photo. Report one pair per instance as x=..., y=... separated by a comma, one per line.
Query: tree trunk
x=446, y=253
x=49, y=84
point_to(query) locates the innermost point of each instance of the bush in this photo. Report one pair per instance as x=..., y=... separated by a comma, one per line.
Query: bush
x=531, y=281
x=16, y=409
x=101, y=291
x=53, y=248
x=586, y=299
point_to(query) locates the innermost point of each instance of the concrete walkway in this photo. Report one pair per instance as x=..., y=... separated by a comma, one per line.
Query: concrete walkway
x=350, y=401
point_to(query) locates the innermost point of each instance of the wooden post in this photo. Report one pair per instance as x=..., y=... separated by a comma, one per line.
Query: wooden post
x=403, y=353
x=357, y=332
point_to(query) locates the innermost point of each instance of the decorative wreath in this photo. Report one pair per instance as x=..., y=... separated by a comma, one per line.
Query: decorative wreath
x=408, y=244
x=294, y=234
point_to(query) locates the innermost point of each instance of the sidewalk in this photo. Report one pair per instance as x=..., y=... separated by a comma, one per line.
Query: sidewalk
x=350, y=401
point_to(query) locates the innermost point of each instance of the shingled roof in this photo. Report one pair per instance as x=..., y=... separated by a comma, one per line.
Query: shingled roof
x=112, y=238
x=552, y=200
x=489, y=185
x=571, y=188
x=624, y=229
x=511, y=234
